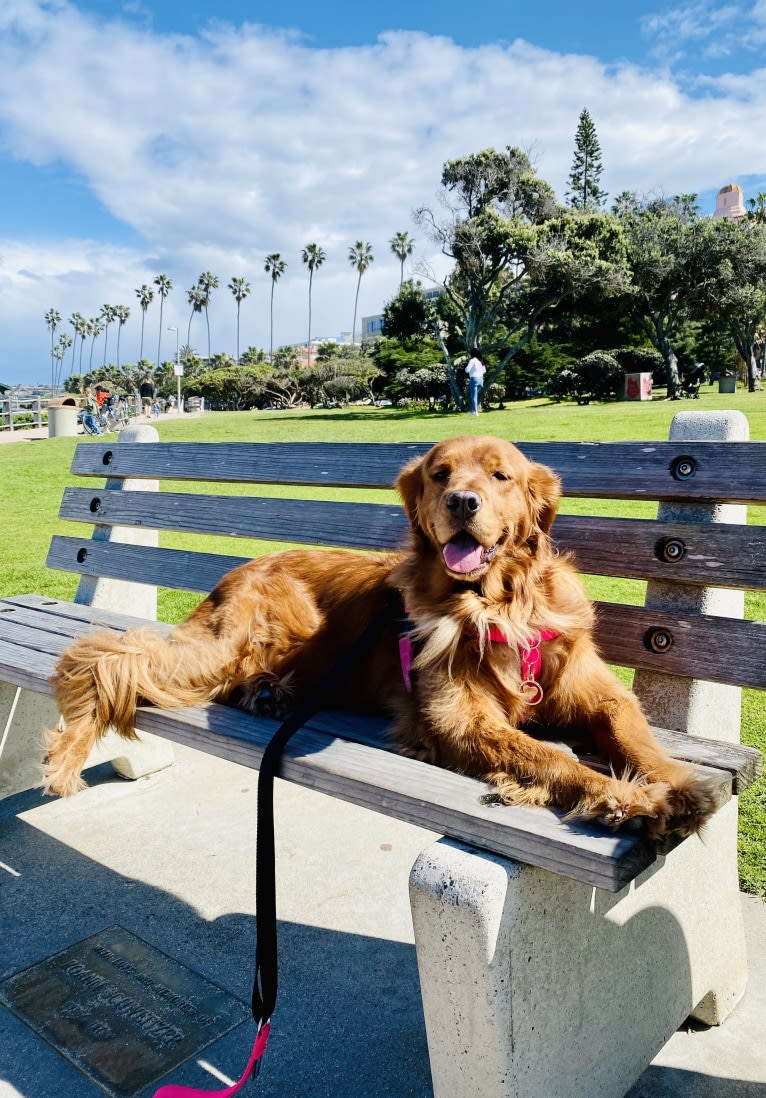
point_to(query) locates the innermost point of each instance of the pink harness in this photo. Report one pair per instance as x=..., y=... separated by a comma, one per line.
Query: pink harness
x=530, y=658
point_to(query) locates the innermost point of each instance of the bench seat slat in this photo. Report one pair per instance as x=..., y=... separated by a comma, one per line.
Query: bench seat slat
x=32, y=627
x=602, y=546
x=616, y=470
x=718, y=649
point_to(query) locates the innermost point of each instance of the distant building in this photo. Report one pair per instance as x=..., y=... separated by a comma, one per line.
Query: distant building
x=730, y=203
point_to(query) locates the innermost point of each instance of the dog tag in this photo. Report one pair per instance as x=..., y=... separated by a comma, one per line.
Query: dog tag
x=532, y=691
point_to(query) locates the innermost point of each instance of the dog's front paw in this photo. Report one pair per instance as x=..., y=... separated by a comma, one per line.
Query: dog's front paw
x=689, y=802
x=625, y=799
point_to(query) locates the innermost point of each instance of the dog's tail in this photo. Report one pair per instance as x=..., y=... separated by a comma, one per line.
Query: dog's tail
x=101, y=679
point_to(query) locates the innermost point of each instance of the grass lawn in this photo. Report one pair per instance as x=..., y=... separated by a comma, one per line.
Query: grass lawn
x=33, y=476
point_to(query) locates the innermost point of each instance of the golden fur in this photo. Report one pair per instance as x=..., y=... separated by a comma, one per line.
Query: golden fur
x=479, y=558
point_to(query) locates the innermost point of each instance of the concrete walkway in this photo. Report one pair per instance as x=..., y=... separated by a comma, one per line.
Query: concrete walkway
x=170, y=858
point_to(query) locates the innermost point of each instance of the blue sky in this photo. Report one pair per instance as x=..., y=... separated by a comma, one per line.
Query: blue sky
x=157, y=136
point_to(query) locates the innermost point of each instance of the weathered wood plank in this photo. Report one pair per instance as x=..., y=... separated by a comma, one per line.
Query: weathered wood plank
x=44, y=626
x=726, y=650
x=705, y=553
x=619, y=470
x=717, y=649
x=417, y=793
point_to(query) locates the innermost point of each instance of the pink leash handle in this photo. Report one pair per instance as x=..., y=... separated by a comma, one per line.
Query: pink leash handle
x=259, y=1047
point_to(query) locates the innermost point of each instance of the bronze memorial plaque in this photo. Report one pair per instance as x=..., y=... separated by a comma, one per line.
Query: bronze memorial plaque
x=124, y=1013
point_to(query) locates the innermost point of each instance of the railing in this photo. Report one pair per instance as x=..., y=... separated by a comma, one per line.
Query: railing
x=15, y=411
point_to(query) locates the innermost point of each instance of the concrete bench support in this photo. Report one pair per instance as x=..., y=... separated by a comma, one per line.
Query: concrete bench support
x=535, y=986
x=23, y=713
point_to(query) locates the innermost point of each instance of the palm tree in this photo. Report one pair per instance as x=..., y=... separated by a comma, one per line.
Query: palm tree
x=240, y=288
x=196, y=298
x=121, y=314
x=107, y=314
x=757, y=209
x=207, y=282
x=74, y=320
x=360, y=257
x=59, y=351
x=402, y=245
x=164, y=286
x=145, y=295
x=95, y=328
x=83, y=330
x=52, y=320
x=275, y=266
x=313, y=256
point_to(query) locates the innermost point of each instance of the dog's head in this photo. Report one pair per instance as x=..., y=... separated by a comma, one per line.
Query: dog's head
x=477, y=501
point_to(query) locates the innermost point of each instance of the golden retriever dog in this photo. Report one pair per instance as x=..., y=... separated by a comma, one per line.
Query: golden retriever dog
x=501, y=636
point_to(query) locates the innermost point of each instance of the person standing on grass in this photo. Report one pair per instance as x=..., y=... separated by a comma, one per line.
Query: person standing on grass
x=476, y=371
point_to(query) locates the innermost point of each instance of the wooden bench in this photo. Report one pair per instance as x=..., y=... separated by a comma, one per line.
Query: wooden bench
x=555, y=957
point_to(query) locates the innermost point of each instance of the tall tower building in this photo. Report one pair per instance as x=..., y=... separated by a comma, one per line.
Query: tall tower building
x=730, y=202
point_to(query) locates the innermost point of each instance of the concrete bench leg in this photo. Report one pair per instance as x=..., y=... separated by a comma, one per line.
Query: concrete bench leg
x=23, y=715
x=134, y=759
x=535, y=986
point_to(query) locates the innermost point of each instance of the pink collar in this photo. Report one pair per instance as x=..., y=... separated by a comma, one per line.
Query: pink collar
x=530, y=657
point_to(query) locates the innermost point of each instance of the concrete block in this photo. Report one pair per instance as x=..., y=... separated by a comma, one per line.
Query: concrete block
x=23, y=716
x=143, y=756
x=535, y=986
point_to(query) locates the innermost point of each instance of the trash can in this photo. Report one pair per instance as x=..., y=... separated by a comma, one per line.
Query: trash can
x=638, y=387
x=62, y=417
x=727, y=383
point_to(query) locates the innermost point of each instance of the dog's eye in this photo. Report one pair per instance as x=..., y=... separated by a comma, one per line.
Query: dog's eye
x=441, y=476
x=499, y=475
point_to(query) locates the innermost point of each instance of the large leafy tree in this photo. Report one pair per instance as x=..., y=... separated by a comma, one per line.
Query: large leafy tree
x=730, y=276
x=516, y=255
x=164, y=286
x=402, y=245
x=360, y=257
x=145, y=295
x=584, y=192
x=240, y=288
x=663, y=239
x=275, y=266
x=313, y=256
x=491, y=202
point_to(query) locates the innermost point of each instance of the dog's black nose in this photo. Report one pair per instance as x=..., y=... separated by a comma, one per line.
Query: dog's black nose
x=463, y=504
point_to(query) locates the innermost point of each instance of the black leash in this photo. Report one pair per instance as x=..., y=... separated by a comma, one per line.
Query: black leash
x=265, y=984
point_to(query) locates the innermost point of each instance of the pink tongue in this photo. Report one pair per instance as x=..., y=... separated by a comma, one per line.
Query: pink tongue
x=463, y=554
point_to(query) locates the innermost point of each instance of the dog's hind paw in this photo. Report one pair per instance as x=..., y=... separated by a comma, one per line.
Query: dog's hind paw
x=266, y=696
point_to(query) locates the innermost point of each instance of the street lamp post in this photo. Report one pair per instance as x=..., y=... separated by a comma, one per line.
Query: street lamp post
x=178, y=370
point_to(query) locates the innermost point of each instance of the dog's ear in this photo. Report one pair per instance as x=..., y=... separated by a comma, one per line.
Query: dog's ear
x=544, y=494
x=409, y=485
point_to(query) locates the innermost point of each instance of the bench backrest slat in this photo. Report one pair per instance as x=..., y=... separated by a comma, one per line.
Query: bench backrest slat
x=632, y=548
x=725, y=650
x=703, y=471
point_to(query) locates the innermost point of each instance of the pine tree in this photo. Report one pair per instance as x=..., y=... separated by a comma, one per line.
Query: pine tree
x=584, y=192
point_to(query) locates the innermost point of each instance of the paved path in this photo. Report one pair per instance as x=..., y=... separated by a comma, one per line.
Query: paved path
x=170, y=858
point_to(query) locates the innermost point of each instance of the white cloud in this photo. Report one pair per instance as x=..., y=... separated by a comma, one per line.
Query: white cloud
x=219, y=148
